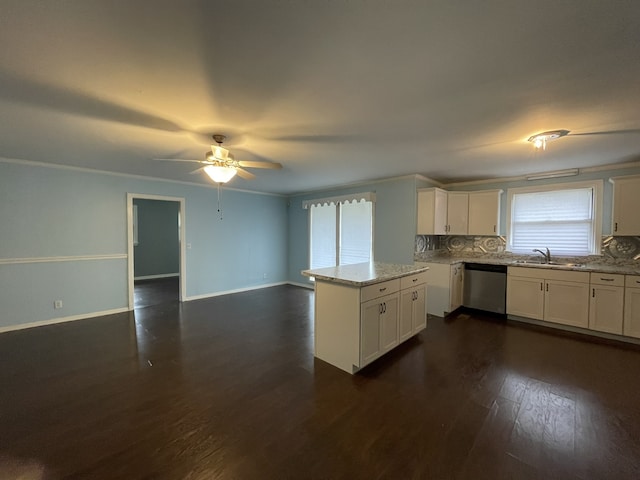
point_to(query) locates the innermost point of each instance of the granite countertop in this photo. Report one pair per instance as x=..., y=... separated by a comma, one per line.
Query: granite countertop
x=578, y=266
x=361, y=274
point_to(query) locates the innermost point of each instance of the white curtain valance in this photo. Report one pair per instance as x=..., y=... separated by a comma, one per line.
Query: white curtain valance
x=353, y=197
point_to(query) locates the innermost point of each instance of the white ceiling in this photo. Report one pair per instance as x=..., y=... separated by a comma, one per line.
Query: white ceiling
x=338, y=91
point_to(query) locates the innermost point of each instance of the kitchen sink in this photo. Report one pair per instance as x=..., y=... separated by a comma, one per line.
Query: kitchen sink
x=552, y=264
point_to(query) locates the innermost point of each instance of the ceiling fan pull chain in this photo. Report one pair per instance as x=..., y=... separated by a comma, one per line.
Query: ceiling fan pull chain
x=219, y=207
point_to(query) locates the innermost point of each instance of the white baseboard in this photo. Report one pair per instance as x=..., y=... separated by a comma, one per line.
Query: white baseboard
x=53, y=321
x=310, y=286
x=153, y=277
x=236, y=290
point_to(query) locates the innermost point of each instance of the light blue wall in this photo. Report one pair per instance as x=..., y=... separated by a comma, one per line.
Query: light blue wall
x=602, y=175
x=158, y=248
x=394, y=223
x=51, y=212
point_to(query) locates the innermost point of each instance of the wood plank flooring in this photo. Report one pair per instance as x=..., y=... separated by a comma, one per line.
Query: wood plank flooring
x=227, y=388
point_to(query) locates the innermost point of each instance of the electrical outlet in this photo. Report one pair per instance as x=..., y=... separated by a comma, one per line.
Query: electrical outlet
x=57, y=304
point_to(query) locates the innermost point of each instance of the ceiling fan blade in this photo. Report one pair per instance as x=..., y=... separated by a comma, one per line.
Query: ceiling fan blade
x=197, y=170
x=249, y=164
x=244, y=174
x=610, y=132
x=181, y=160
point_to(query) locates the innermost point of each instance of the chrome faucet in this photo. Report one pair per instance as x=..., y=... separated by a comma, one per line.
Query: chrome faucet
x=546, y=255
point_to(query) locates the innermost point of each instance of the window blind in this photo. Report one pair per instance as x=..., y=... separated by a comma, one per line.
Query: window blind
x=562, y=220
x=323, y=236
x=355, y=232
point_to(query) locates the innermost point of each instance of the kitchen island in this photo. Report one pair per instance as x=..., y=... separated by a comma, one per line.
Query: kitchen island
x=364, y=310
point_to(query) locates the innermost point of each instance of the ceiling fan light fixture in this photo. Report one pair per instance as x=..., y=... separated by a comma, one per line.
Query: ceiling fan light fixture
x=220, y=174
x=540, y=140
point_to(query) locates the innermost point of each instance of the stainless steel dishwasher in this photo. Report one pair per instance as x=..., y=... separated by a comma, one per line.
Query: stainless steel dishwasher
x=485, y=287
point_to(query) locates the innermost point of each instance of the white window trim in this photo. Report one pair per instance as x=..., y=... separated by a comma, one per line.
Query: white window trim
x=598, y=187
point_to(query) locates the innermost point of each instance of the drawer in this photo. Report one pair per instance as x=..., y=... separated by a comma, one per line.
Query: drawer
x=632, y=281
x=413, y=280
x=607, y=279
x=549, y=274
x=379, y=290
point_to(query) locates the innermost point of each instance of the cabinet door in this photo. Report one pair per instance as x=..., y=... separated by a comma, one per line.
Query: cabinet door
x=420, y=309
x=626, y=198
x=632, y=312
x=484, y=213
x=389, y=322
x=456, y=287
x=525, y=297
x=457, y=213
x=432, y=212
x=370, y=331
x=405, y=326
x=567, y=303
x=605, y=308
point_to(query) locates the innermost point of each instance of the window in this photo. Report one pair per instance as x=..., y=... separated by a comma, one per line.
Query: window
x=564, y=218
x=341, y=233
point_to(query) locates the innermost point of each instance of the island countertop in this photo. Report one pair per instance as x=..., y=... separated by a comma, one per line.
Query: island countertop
x=361, y=274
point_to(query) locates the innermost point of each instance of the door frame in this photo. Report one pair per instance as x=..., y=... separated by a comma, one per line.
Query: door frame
x=182, y=242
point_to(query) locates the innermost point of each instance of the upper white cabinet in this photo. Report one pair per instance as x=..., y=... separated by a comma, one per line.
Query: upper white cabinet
x=457, y=213
x=484, y=212
x=432, y=211
x=626, y=200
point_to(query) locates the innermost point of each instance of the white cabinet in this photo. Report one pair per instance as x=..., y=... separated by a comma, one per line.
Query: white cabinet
x=413, y=305
x=557, y=296
x=632, y=306
x=567, y=302
x=445, y=288
x=626, y=198
x=457, y=213
x=606, y=303
x=378, y=327
x=525, y=296
x=457, y=286
x=355, y=325
x=484, y=212
x=432, y=211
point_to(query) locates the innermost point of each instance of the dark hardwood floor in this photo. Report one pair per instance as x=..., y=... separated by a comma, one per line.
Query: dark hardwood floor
x=227, y=388
x=156, y=291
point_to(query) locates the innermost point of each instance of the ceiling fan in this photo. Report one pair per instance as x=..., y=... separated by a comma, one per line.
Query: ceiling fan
x=220, y=165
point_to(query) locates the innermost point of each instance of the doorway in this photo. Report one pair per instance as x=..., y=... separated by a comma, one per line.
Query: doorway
x=156, y=249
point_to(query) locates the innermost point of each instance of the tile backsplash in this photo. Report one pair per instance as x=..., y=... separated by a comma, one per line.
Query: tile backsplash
x=627, y=248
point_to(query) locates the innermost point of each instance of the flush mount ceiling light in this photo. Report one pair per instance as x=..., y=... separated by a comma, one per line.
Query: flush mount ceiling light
x=540, y=140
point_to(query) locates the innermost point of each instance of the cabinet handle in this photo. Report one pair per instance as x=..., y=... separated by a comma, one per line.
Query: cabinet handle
x=593, y=292
x=380, y=309
x=415, y=280
x=637, y=281
x=383, y=289
x=494, y=229
x=547, y=287
x=606, y=279
x=541, y=288
x=385, y=307
x=616, y=227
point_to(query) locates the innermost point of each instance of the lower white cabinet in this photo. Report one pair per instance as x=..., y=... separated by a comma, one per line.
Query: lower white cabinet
x=445, y=288
x=355, y=325
x=557, y=296
x=413, y=308
x=632, y=306
x=606, y=303
x=378, y=327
